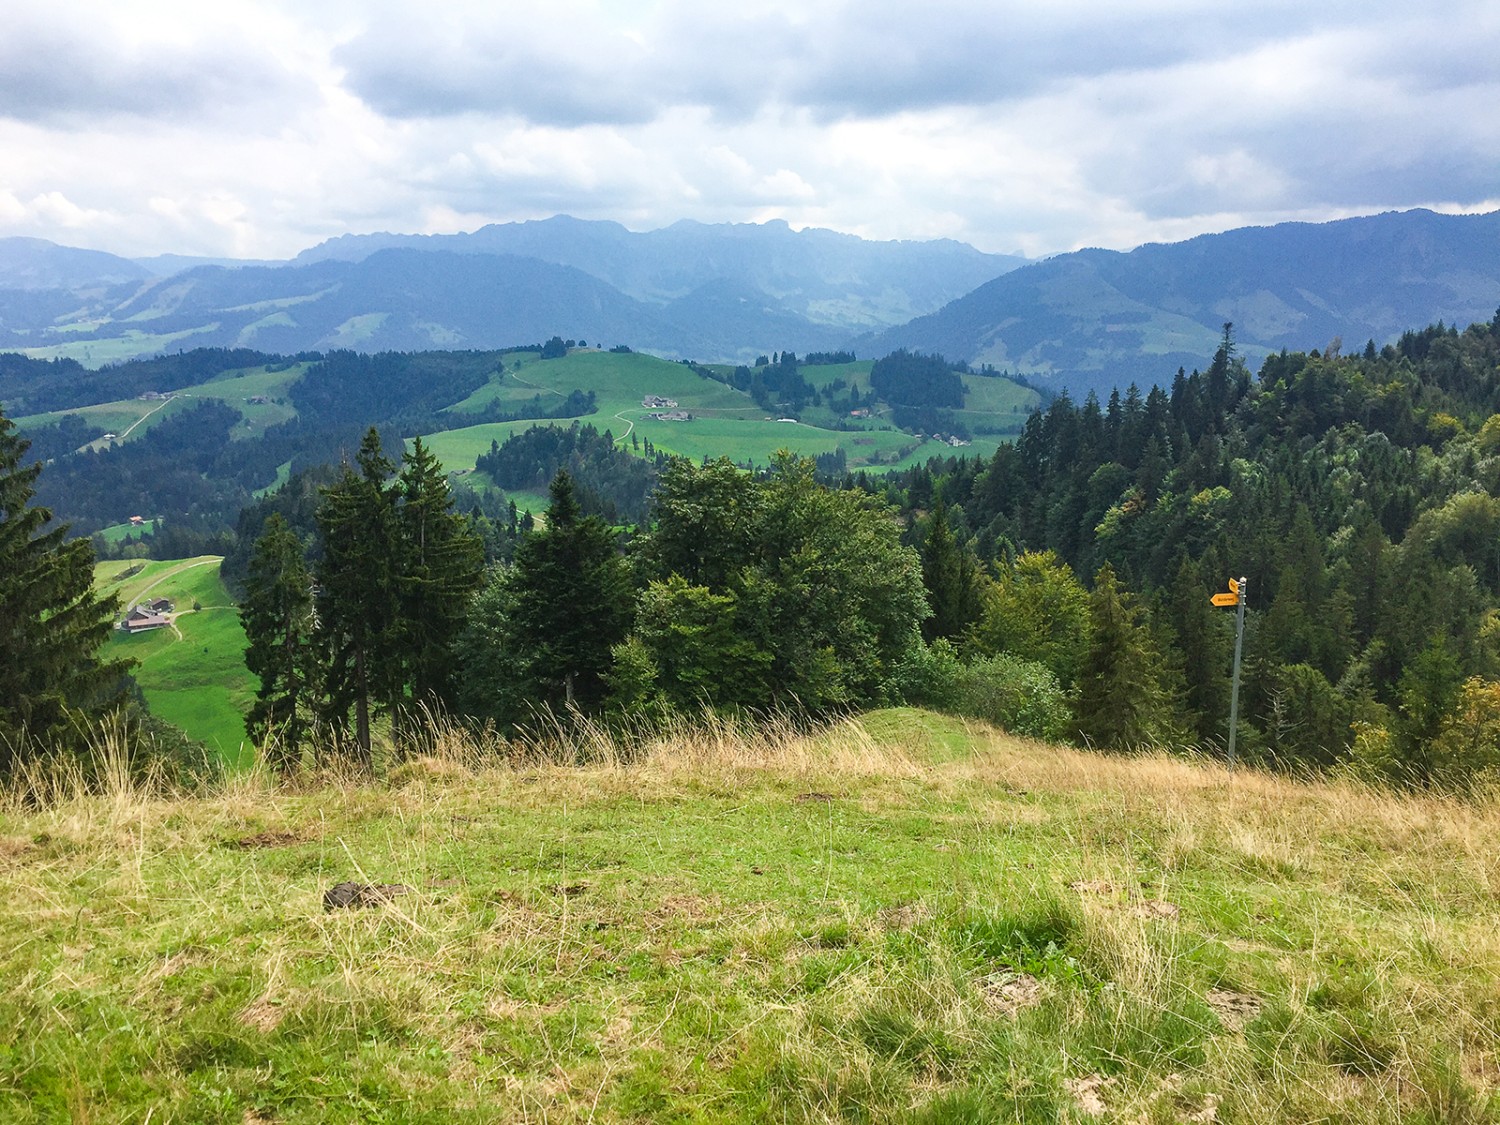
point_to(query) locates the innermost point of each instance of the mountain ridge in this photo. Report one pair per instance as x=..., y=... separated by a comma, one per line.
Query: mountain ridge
x=1100, y=318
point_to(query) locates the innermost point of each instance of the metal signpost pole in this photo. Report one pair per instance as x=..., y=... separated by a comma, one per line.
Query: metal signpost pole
x=1242, y=593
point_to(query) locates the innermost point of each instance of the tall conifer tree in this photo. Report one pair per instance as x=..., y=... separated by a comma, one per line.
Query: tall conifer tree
x=1119, y=699
x=52, y=623
x=571, y=603
x=357, y=597
x=277, y=614
x=441, y=564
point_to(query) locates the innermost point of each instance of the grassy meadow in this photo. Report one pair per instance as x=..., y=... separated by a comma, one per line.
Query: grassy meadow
x=193, y=674
x=132, y=418
x=725, y=423
x=901, y=918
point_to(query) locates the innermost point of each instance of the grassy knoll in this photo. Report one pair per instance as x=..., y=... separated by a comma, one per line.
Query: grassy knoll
x=725, y=422
x=131, y=418
x=127, y=419
x=897, y=920
x=193, y=674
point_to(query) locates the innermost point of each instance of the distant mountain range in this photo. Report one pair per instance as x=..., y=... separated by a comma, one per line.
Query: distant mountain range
x=1094, y=318
x=1098, y=318
x=689, y=291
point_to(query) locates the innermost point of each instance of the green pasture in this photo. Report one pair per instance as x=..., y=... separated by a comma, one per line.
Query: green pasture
x=131, y=345
x=193, y=673
x=619, y=381
x=131, y=418
x=120, y=532
x=899, y=919
x=127, y=419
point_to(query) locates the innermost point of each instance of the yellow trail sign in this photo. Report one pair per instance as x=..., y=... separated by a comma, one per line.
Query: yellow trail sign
x=1225, y=599
x=1234, y=586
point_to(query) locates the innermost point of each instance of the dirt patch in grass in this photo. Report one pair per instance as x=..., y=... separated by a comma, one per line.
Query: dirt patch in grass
x=903, y=917
x=1006, y=993
x=1092, y=887
x=1234, y=1009
x=1087, y=1093
x=263, y=1015
x=284, y=838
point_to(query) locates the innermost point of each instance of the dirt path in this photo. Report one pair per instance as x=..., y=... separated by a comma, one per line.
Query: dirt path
x=141, y=419
x=536, y=386
x=629, y=426
x=176, y=570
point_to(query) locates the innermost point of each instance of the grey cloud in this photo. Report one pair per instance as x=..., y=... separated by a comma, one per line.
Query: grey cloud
x=834, y=60
x=437, y=69
x=62, y=75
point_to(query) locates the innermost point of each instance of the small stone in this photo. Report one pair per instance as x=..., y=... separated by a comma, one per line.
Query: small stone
x=355, y=896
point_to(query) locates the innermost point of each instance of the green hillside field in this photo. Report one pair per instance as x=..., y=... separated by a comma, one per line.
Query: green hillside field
x=725, y=422
x=193, y=674
x=132, y=418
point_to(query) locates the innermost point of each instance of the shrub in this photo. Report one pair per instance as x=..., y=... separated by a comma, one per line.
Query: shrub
x=1020, y=696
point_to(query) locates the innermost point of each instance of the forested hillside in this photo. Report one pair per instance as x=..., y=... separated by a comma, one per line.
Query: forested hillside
x=1357, y=494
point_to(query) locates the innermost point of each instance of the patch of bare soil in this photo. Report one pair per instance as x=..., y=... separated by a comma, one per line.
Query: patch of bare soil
x=1007, y=992
x=1086, y=1093
x=270, y=839
x=902, y=917
x=263, y=1015
x=1092, y=887
x=1234, y=1009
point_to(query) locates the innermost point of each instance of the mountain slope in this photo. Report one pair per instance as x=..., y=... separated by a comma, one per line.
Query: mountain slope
x=1096, y=318
x=35, y=263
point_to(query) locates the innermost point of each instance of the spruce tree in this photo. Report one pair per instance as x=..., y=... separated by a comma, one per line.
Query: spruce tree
x=441, y=562
x=52, y=623
x=277, y=614
x=1119, y=700
x=950, y=573
x=357, y=598
x=570, y=603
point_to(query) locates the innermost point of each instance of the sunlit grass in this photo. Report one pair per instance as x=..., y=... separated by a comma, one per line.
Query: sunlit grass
x=901, y=918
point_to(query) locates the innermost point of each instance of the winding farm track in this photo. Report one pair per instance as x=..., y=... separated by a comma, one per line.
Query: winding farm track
x=176, y=570
x=142, y=418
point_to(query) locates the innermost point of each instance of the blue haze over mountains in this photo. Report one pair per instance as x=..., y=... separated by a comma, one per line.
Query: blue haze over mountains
x=1093, y=318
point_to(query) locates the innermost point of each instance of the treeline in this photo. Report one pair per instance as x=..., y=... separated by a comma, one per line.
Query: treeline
x=1360, y=497
x=745, y=591
x=608, y=480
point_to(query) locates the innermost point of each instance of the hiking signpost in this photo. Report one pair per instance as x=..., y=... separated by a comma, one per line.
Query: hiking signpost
x=1234, y=596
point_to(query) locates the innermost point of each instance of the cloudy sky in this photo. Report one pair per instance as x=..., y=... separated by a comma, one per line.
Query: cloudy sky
x=256, y=128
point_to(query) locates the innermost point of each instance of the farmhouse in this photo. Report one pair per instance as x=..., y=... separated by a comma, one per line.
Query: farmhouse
x=140, y=619
x=657, y=402
x=671, y=416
